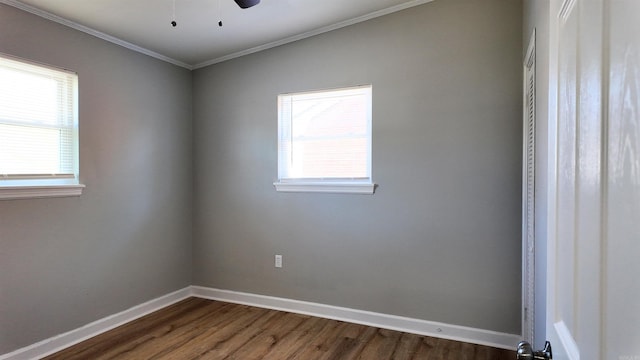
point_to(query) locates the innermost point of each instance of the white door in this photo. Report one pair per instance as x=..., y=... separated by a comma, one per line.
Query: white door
x=593, y=305
x=622, y=261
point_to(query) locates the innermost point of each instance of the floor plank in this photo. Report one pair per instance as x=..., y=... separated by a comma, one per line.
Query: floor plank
x=205, y=329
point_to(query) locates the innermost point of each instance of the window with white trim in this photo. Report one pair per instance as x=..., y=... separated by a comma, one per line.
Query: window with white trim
x=324, y=141
x=38, y=130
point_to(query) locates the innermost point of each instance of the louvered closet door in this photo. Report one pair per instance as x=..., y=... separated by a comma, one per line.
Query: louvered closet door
x=528, y=191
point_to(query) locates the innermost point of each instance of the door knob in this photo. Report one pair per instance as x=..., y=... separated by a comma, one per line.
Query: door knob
x=525, y=352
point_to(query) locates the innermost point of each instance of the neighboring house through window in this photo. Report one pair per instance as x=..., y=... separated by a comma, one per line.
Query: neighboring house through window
x=324, y=142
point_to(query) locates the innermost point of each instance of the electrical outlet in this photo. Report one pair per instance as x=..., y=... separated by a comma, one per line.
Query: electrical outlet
x=278, y=261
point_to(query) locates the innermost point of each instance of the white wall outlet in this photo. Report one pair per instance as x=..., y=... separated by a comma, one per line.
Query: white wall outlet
x=278, y=261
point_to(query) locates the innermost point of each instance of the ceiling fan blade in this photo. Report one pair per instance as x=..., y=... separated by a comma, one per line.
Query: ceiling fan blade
x=247, y=3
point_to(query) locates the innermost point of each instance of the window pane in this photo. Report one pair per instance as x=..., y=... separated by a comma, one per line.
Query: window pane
x=26, y=97
x=29, y=150
x=38, y=120
x=344, y=158
x=325, y=135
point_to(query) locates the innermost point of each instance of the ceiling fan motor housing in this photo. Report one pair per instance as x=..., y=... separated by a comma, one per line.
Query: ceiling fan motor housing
x=247, y=3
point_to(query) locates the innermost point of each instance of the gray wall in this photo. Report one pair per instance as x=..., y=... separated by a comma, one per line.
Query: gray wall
x=66, y=262
x=536, y=16
x=440, y=240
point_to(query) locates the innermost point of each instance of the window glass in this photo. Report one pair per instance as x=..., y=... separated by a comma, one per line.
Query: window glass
x=38, y=122
x=325, y=136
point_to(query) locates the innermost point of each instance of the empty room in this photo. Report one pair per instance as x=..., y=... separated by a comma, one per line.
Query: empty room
x=244, y=179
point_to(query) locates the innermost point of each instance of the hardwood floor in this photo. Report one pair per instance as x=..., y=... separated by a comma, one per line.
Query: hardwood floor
x=204, y=329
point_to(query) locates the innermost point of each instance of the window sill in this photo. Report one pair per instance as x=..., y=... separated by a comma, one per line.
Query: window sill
x=40, y=191
x=326, y=187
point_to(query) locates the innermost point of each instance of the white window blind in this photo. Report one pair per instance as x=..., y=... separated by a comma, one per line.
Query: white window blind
x=38, y=122
x=325, y=138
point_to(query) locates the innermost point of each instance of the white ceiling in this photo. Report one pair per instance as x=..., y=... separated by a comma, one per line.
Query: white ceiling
x=197, y=40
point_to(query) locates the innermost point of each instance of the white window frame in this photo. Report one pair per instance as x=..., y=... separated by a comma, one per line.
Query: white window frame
x=30, y=186
x=285, y=183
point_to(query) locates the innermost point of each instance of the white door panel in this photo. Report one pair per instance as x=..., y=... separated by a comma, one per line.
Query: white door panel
x=622, y=251
x=563, y=243
x=593, y=273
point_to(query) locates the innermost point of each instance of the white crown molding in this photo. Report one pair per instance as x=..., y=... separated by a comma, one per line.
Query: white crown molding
x=130, y=46
x=385, y=321
x=93, y=32
x=62, y=341
x=315, y=32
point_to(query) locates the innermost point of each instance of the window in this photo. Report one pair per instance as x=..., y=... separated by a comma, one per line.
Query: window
x=38, y=131
x=324, y=141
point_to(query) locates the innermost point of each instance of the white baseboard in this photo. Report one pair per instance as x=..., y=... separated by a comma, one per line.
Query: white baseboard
x=59, y=342
x=385, y=321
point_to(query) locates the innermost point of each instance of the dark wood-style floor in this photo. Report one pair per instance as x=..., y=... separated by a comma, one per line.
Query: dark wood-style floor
x=204, y=329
